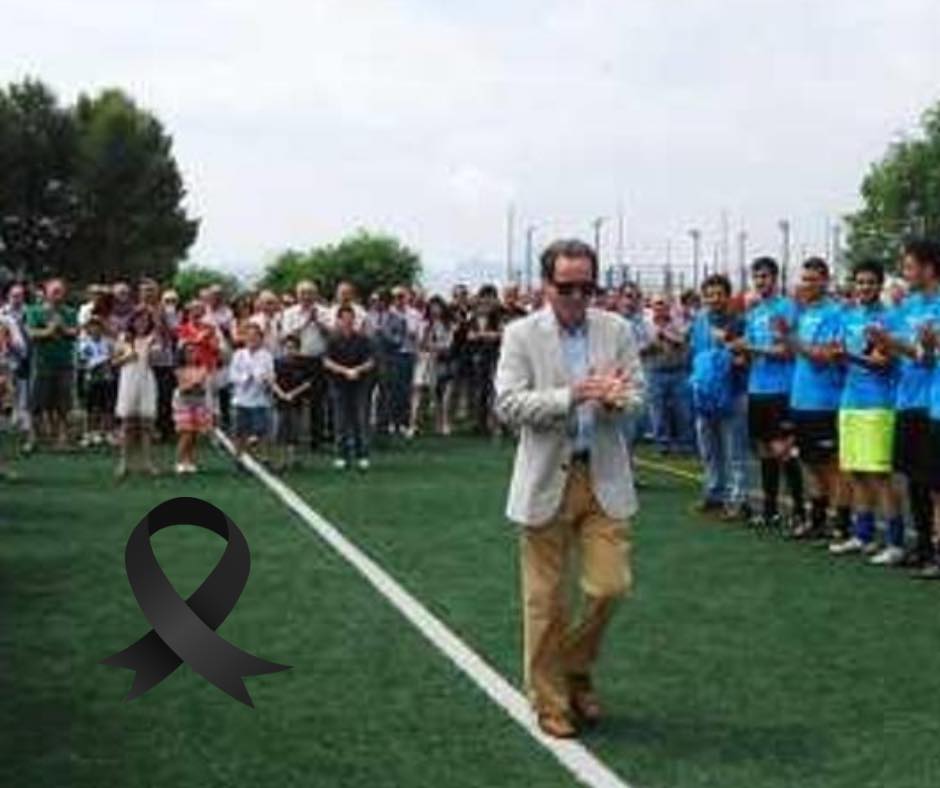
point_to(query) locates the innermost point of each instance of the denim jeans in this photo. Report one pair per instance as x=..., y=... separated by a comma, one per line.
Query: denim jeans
x=723, y=446
x=350, y=418
x=669, y=408
x=402, y=372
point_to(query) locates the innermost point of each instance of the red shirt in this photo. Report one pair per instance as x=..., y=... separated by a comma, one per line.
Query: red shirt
x=206, y=340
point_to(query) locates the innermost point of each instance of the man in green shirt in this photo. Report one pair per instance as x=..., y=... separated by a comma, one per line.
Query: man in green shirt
x=53, y=327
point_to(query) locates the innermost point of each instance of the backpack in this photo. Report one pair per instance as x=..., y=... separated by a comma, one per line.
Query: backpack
x=711, y=383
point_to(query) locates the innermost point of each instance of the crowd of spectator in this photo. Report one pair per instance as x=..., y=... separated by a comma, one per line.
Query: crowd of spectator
x=830, y=385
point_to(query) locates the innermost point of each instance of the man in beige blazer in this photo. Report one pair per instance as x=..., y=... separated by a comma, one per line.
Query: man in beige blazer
x=566, y=374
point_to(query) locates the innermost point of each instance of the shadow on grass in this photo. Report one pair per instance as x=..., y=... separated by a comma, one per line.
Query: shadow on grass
x=706, y=743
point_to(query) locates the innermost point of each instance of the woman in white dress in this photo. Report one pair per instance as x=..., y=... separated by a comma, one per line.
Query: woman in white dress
x=137, y=390
x=432, y=373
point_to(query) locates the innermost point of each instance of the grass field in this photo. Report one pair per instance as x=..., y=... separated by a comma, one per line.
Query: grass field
x=739, y=661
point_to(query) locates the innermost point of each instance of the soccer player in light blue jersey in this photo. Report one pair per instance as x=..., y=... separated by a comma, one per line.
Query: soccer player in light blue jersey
x=920, y=266
x=815, y=396
x=931, y=571
x=928, y=351
x=866, y=418
x=770, y=377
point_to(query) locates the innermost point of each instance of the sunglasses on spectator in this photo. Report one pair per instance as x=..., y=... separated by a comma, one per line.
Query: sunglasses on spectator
x=569, y=288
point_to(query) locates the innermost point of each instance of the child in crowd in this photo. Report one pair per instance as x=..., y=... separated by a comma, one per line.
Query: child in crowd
x=252, y=377
x=95, y=353
x=137, y=391
x=293, y=379
x=192, y=413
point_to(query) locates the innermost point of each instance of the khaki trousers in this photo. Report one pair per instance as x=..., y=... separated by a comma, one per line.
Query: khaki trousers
x=559, y=653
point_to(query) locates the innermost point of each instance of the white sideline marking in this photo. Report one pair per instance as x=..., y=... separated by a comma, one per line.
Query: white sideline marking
x=666, y=468
x=574, y=756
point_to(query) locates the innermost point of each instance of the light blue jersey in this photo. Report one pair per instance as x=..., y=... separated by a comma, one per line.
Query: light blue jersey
x=933, y=397
x=817, y=386
x=905, y=323
x=769, y=375
x=865, y=387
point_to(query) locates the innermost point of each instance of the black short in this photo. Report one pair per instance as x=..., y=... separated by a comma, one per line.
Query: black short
x=768, y=417
x=100, y=396
x=817, y=435
x=290, y=423
x=912, y=454
x=935, y=455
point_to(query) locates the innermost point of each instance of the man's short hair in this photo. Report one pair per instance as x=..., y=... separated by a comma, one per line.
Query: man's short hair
x=925, y=251
x=818, y=265
x=631, y=287
x=870, y=267
x=767, y=264
x=717, y=280
x=571, y=248
x=345, y=309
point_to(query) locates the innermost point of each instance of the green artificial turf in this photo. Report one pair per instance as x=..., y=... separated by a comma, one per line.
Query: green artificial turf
x=367, y=702
x=740, y=660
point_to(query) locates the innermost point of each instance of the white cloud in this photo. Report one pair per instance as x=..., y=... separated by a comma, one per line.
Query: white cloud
x=295, y=122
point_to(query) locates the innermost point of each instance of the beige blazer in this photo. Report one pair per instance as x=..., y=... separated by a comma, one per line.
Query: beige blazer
x=533, y=393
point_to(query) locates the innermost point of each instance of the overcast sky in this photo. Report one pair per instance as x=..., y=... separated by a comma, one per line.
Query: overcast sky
x=295, y=122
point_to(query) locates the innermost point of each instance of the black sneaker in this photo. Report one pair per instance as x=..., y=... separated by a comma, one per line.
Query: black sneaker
x=915, y=559
x=804, y=530
x=766, y=522
x=736, y=512
x=708, y=506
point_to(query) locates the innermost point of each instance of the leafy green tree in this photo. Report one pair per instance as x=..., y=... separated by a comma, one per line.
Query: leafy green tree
x=190, y=279
x=370, y=261
x=900, y=194
x=132, y=220
x=285, y=271
x=38, y=195
x=90, y=191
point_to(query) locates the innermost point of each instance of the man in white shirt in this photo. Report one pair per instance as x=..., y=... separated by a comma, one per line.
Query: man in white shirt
x=346, y=296
x=306, y=321
x=217, y=311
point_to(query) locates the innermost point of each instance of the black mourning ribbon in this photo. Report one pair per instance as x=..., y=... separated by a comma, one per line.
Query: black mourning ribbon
x=184, y=630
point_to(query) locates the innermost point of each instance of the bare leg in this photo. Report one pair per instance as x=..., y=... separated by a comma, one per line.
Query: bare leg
x=416, y=394
x=146, y=439
x=121, y=470
x=444, y=408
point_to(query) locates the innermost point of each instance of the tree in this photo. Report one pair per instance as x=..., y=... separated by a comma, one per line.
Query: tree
x=900, y=194
x=190, y=279
x=285, y=271
x=132, y=220
x=38, y=195
x=90, y=191
x=370, y=261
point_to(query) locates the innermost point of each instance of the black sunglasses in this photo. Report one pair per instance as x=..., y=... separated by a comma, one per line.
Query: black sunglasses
x=586, y=289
